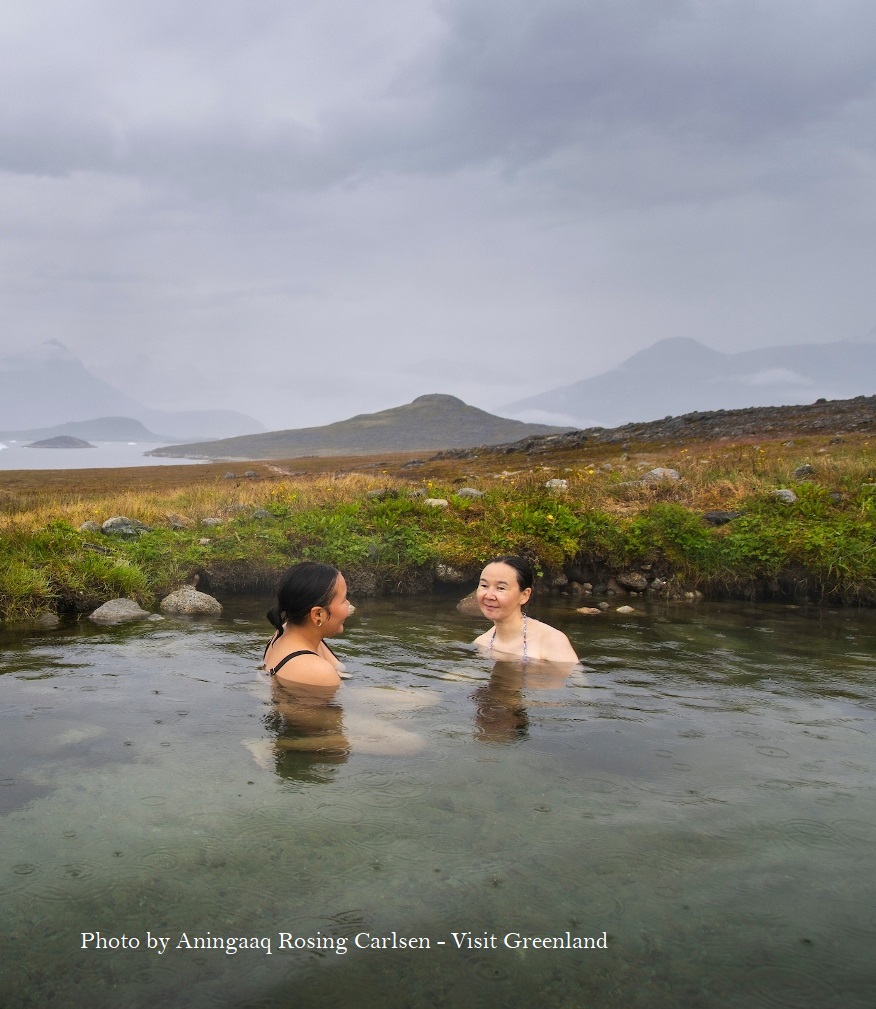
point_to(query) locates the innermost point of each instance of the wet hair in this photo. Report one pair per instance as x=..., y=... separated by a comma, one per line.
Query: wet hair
x=303, y=587
x=522, y=568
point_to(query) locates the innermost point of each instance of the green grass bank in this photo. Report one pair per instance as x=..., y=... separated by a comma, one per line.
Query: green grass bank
x=381, y=527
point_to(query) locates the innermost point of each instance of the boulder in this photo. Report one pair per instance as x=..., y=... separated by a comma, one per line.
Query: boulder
x=189, y=602
x=449, y=575
x=633, y=580
x=121, y=525
x=785, y=495
x=661, y=473
x=89, y=527
x=118, y=611
x=468, y=606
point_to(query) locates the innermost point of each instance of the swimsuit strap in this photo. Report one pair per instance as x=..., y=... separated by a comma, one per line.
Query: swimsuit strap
x=493, y=638
x=286, y=658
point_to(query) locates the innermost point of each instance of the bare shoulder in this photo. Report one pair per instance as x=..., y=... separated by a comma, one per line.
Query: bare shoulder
x=483, y=640
x=550, y=644
x=305, y=669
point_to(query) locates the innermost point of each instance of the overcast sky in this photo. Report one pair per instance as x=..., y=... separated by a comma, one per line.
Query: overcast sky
x=308, y=210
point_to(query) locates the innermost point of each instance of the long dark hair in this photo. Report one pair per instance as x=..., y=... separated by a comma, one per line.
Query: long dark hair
x=522, y=568
x=303, y=587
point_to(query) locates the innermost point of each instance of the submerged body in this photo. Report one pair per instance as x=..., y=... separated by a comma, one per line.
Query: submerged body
x=504, y=588
x=312, y=605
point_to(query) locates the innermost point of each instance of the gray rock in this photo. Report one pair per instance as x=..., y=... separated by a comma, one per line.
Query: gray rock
x=719, y=518
x=437, y=502
x=189, y=602
x=803, y=472
x=262, y=514
x=449, y=575
x=230, y=476
x=89, y=527
x=468, y=606
x=250, y=474
x=661, y=473
x=469, y=492
x=212, y=521
x=118, y=611
x=785, y=495
x=121, y=525
x=557, y=484
x=46, y=621
x=633, y=580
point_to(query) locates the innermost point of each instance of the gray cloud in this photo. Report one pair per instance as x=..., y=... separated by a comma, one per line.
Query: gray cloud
x=325, y=210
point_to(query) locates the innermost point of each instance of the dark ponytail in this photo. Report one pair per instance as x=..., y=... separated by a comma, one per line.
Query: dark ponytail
x=303, y=587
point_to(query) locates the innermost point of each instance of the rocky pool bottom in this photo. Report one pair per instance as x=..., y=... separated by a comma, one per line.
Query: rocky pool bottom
x=688, y=819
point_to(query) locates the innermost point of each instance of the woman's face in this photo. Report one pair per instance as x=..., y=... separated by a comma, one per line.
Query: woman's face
x=338, y=610
x=499, y=594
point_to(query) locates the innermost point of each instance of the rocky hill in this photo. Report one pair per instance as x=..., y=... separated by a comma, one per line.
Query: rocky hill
x=831, y=417
x=429, y=422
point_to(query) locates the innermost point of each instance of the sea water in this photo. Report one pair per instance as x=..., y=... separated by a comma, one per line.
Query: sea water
x=686, y=819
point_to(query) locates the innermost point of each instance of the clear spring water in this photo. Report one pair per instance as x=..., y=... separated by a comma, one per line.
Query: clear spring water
x=700, y=795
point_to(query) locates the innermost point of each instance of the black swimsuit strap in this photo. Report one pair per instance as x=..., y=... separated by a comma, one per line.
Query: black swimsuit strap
x=285, y=659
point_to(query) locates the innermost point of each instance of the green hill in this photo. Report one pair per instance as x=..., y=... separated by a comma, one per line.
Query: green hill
x=429, y=423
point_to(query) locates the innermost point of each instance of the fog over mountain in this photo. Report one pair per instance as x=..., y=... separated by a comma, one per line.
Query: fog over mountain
x=47, y=386
x=677, y=376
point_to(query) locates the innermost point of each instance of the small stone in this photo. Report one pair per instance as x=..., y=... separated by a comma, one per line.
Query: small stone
x=212, y=521
x=719, y=518
x=633, y=580
x=589, y=611
x=436, y=502
x=604, y=605
x=204, y=540
x=229, y=476
x=469, y=492
x=262, y=514
x=557, y=484
x=626, y=609
x=250, y=474
x=89, y=527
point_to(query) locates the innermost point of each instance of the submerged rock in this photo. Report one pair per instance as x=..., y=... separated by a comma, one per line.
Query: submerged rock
x=117, y=611
x=189, y=602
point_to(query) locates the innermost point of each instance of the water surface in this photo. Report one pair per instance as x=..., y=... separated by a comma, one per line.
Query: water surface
x=698, y=796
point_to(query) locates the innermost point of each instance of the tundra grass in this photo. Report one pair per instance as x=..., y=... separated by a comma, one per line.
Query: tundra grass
x=373, y=520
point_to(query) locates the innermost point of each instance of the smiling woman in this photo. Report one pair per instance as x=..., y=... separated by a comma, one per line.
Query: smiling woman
x=504, y=588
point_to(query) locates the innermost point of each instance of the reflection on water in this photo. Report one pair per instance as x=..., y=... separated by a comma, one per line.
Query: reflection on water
x=701, y=792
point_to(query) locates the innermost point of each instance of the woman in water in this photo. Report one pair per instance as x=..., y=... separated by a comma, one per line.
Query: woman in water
x=312, y=605
x=504, y=589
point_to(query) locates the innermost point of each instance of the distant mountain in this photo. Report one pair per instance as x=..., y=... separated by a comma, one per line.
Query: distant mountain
x=47, y=386
x=99, y=429
x=428, y=423
x=680, y=375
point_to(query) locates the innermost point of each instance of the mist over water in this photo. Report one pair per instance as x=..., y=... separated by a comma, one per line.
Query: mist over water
x=104, y=455
x=700, y=792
